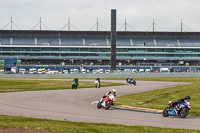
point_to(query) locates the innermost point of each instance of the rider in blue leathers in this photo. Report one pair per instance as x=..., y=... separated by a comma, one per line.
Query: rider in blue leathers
x=175, y=104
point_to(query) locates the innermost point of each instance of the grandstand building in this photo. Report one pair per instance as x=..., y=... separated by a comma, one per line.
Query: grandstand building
x=37, y=47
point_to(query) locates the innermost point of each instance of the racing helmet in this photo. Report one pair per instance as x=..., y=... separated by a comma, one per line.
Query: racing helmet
x=113, y=91
x=170, y=102
x=187, y=97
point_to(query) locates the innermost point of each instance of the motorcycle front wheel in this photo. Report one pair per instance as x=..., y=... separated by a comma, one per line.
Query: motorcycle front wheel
x=165, y=112
x=108, y=105
x=183, y=113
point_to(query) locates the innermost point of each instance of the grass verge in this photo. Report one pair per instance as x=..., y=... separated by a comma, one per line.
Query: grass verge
x=79, y=127
x=1, y=67
x=12, y=84
x=158, y=99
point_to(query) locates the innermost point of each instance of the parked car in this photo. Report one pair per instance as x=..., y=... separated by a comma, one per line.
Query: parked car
x=14, y=70
x=164, y=70
x=156, y=71
x=101, y=71
x=52, y=72
x=76, y=71
x=94, y=71
x=22, y=71
x=71, y=71
x=127, y=70
x=107, y=71
x=65, y=71
x=134, y=70
x=147, y=70
x=43, y=71
x=83, y=71
x=32, y=71
x=141, y=70
x=39, y=71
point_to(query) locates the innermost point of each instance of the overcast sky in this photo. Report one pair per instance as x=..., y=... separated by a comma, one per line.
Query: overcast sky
x=83, y=14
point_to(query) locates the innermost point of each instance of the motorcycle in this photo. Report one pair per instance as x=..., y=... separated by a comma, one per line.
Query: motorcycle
x=96, y=84
x=74, y=85
x=181, y=109
x=107, y=102
x=131, y=81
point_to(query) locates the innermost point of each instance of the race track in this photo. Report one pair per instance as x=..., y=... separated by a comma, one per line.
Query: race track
x=75, y=105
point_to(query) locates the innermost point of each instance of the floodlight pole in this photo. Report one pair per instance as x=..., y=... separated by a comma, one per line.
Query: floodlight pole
x=40, y=24
x=68, y=24
x=97, y=25
x=113, y=37
x=125, y=24
x=11, y=23
x=153, y=25
x=181, y=26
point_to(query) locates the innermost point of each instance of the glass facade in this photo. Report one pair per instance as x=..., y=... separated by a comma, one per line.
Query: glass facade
x=87, y=47
x=132, y=52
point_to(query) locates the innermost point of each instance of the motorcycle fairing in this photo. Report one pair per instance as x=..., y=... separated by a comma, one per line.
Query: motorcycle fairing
x=172, y=112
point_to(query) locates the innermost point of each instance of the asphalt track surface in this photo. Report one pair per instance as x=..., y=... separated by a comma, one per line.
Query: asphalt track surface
x=75, y=105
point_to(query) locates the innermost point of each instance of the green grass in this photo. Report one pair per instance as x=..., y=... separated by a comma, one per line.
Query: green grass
x=153, y=99
x=158, y=99
x=80, y=127
x=1, y=67
x=22, y=84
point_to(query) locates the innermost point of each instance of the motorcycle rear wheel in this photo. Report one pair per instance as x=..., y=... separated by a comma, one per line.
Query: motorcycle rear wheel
x=165, y=112
x=74, y=86
x=99, y=105
x=183, y=113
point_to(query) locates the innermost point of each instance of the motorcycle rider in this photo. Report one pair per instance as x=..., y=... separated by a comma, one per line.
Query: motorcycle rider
x=130, y=80
x=109, y=93
x=175, y=104
x=127, y=79
x=74, y=86
x=76, y=80
x=98, y=79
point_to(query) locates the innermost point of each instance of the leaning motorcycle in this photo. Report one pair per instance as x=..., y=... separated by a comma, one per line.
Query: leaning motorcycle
x=96, y=82
x=131, y=81
x=107, y=102
x=74, y=85
x=182, y=109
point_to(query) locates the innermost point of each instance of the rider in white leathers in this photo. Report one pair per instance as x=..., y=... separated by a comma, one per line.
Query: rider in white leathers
x=110, y=94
